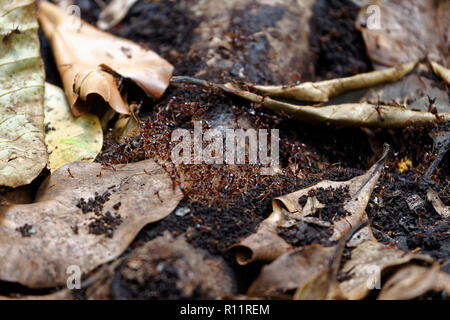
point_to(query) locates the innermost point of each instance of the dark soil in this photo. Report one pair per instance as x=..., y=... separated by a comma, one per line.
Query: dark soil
x=338, y=46
x=223, y=212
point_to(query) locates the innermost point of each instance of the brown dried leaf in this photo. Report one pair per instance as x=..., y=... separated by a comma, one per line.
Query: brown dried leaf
x=347, y=114
x=367, y=263
x=59, y=234
x=255, y=40
x=322, y=91
x=292, y=270
x=87, y=58
x=266, y=245
x=113, y=13
x=413, y=281
x=438, y=205
x=441, y=71
x=408, y=30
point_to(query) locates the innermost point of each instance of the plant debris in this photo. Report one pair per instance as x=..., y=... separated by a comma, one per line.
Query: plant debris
x=23, y=152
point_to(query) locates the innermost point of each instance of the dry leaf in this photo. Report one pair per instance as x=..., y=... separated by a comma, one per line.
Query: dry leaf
x=198, y=273
x=348, y=114
x=414, y=281
x=441, y=71
x=255, y=40
x=266, y=245
x=68, y=138
x=322, y=91
x=392, y=35
x=438, y=205
x=39, y=241
x=113, y=13
x=366, y=266
x=64, y=294
x=88, y=58
x=23, y=153
x=292, y=270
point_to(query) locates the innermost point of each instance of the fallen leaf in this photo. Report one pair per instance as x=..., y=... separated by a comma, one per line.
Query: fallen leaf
x=292, y=270
x=441, y=71
x=125, y=127
x=414, y=281
x=347, y=114
x=88, y=59
x=68, y=138
x=64, y=294
x=237, y=36
x=83, y=215
x=23, y=153
x=397, y=39
x=438, y=205
x=113, y=13
x=368, y=262
x=322, y=91
x=197, y=273
x=266, y=245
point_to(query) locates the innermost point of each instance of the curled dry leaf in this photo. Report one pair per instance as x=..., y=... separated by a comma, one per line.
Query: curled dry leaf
x=322, y=91
x=292, y=270
x=391, y=34
x=113, y=13
x=83, y=215
x=266, y=245
x=439, y=206
x=347, y=114
x=88, y=60
x=197, y=273
x=68, y=138
x=367, y=263
x=441, y=71
x=23, y=153
x=414, y=281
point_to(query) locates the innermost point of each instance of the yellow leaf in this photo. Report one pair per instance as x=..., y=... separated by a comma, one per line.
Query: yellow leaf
x=69, y=138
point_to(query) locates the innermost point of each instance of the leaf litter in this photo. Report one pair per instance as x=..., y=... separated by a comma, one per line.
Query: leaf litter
x=82, y=215
x=310, y=230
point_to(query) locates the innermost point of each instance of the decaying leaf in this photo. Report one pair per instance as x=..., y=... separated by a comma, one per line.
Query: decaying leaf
x=266, y=245
x=292, y=270
x=113, y=13
x=441, y=71
x=237, y=37
x=391, y=34
x=197, y=273
x=414, y=281
x=64, y=294
x=439, y=206
x=68, y=138
x=88, y=60
x=126, y=126
x=83, y=215
x=347, y=114
x=322, y=91
x=368, y=262
x=23, y=153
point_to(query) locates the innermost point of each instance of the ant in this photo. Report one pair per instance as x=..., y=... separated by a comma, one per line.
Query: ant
x=378, y=109
x=70, y=173
x=10, y=33
x=431, y=108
